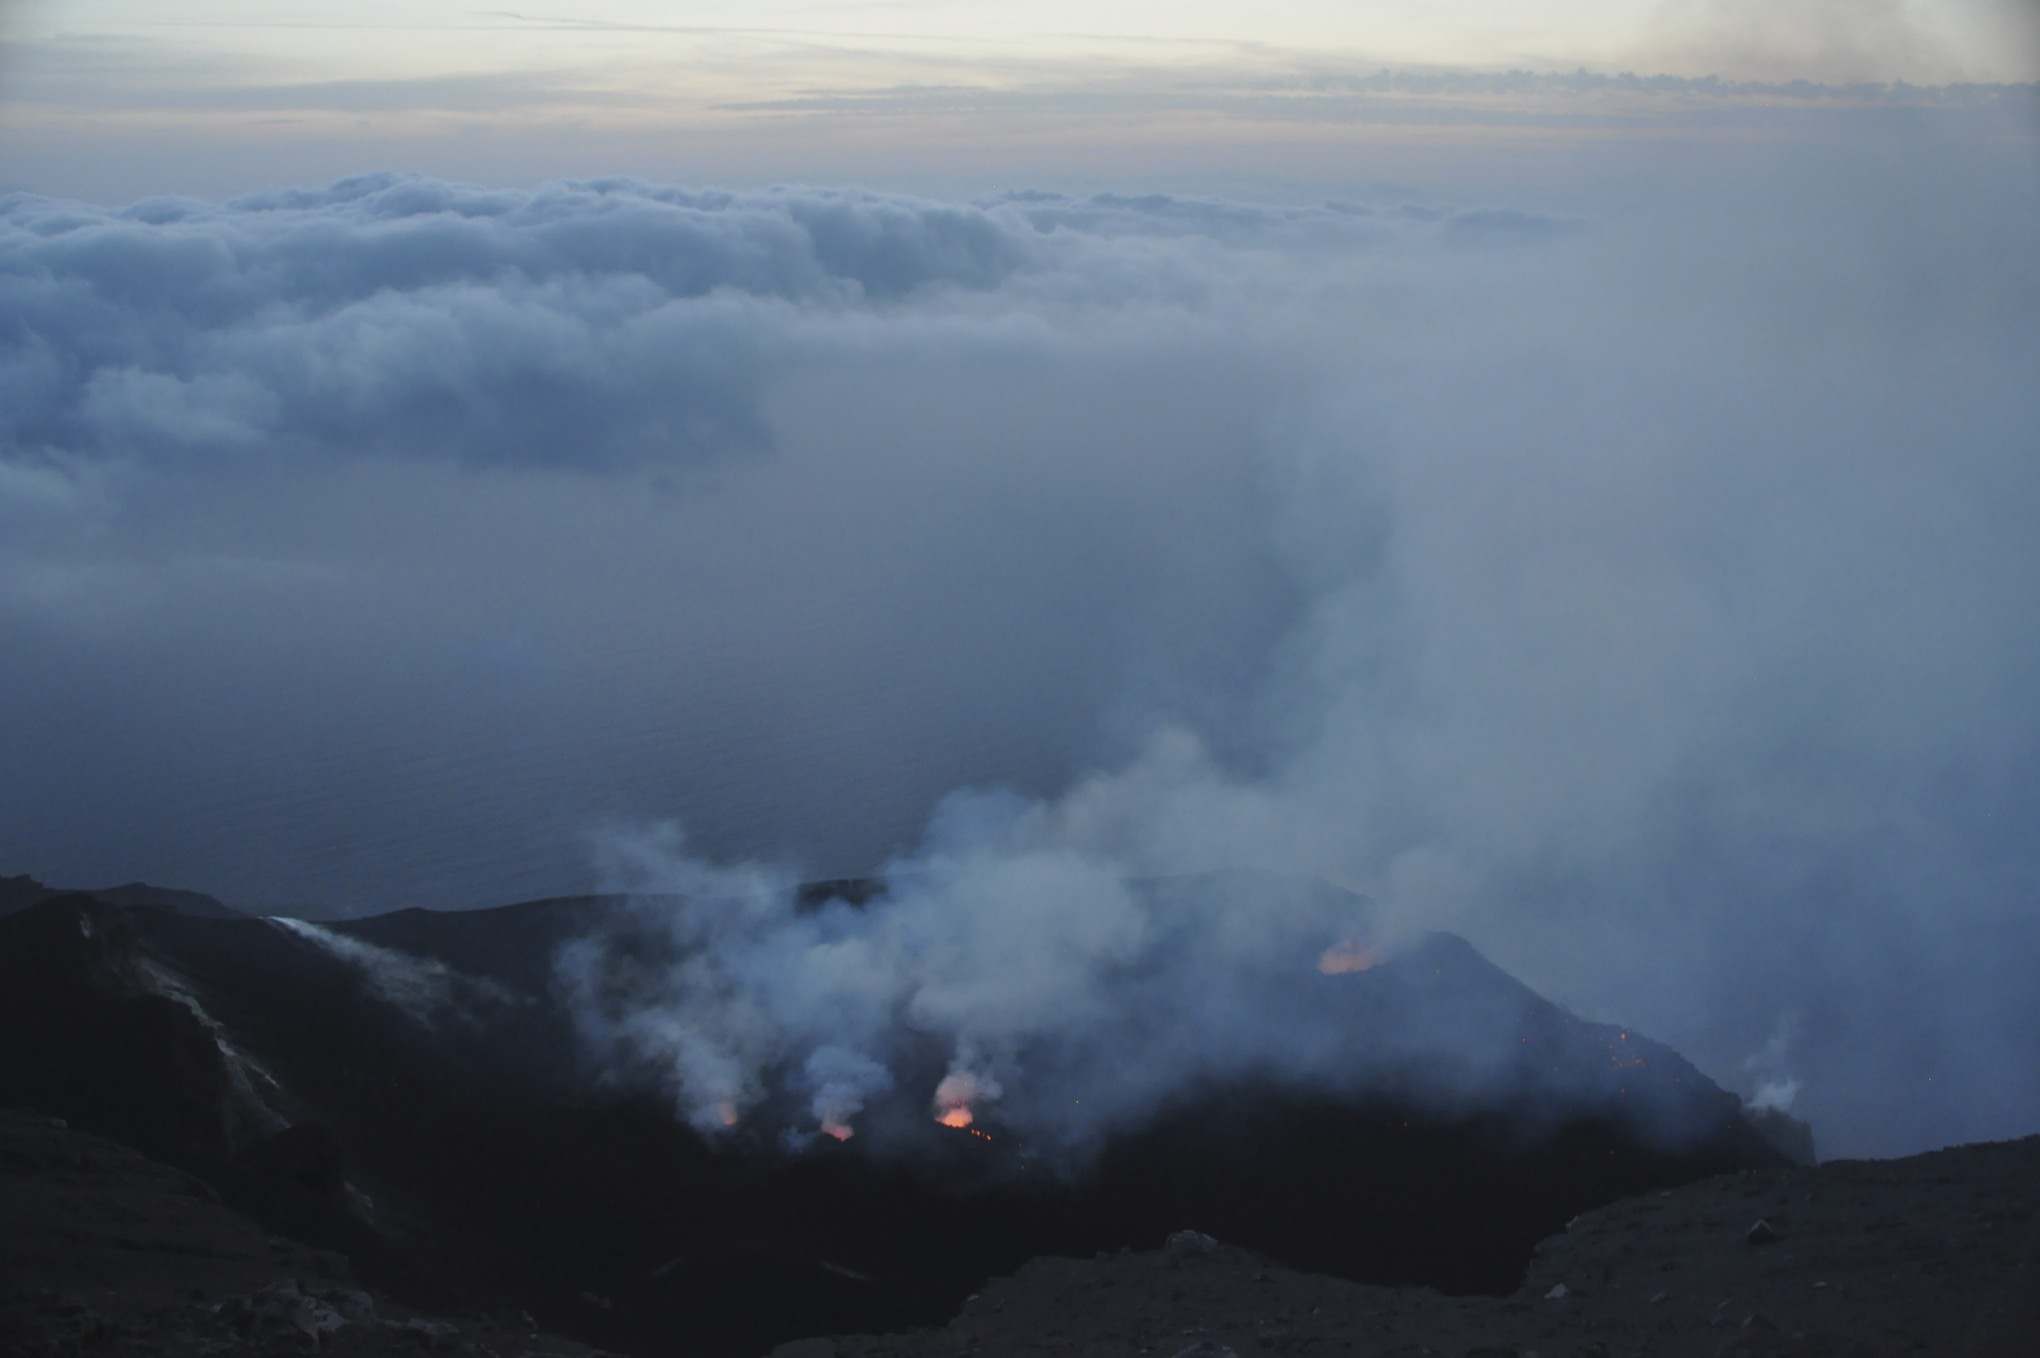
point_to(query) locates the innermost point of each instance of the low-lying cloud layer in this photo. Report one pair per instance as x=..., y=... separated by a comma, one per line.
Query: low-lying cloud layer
x=1640, y=586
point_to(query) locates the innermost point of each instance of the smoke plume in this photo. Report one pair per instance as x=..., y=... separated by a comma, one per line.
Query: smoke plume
x=1632, y=575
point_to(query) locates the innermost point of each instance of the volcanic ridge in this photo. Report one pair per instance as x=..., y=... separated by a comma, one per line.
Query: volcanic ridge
x=411, y=1098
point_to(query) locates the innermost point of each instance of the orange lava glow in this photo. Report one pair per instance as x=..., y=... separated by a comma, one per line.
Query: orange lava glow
x=1347, y=955
x=958, y=1116
x=726, y=1112
x=1624, y=1057
x=842, y=1131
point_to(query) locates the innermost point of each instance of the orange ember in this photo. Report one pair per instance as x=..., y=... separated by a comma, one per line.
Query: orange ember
x=1624, y=1057
x=1347, y=955
x=955, y=1094
x=727, y=1113
x=842, y=1131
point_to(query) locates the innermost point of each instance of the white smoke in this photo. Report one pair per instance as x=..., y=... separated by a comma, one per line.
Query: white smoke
x=960, y=1093
x=424, y=988
x=843, y=1081
x=1774, y=1096
x=1770, y=1067
x=1018, y=949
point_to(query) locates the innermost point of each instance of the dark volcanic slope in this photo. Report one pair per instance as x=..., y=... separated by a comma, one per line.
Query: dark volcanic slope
x=1934, y=1254
x=18, y=893
x=408, y=1089
x=104, y=1251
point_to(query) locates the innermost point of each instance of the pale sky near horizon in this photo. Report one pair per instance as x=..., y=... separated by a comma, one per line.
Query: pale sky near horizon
x=104, y=99
x=1976, y=40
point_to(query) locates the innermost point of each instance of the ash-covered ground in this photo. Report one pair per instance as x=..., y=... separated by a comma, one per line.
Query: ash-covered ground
x=105, y=1251
x=1931, y=1254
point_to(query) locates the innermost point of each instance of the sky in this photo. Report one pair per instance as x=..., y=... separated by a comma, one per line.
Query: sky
x=109, y=99
x=1572, y=486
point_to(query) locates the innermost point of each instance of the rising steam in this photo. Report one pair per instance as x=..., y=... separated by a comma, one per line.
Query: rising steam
x=424, y=988
x=1026, y=962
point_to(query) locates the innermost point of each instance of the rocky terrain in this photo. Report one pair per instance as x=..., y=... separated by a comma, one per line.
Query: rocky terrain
x=408, y=1093
x=21, y=891
x=1933, y=1254
x=105, y=1251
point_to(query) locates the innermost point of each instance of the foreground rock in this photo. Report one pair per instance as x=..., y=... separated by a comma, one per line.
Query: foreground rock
x=414, y=1091
x=104, y=1251
x=1935, y=1254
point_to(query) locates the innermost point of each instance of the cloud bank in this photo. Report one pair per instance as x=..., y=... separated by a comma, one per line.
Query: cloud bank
x=1638, y=584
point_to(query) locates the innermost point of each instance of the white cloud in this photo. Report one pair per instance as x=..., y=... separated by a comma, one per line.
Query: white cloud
x=1635, y=581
